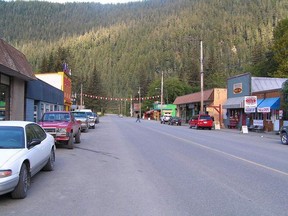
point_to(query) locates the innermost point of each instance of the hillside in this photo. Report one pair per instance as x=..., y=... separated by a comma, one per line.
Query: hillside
x=114, y=49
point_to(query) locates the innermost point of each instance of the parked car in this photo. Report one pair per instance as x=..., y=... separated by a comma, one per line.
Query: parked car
x=96, y=118
x=284, y=134
x=62, y=126
x=83, y=118
x=165, y=119
x=25, y=149
x=175, y=121
x=91, y=117
x=201, y=121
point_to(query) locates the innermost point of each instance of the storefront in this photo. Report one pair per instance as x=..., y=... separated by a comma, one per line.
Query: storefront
x=40, y=98
x=4, y=97
x=189, y=105
x=15, y=71
x=253, y=101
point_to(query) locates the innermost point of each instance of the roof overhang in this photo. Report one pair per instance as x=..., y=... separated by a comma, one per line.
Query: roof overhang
x=234, y=103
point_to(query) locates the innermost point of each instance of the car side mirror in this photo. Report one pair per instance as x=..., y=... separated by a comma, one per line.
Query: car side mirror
x=34, y=142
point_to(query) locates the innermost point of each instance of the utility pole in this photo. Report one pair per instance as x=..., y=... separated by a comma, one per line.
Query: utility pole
x=81, y=98
x=201, y=78
x=131, y=107
x=162, y=84
x=139, y=92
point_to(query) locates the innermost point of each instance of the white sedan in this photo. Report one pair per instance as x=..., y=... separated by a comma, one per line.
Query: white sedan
x=25, y=149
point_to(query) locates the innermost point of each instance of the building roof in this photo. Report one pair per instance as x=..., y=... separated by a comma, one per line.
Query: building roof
x=261, y=84
x=194, y=97
x=14, y=63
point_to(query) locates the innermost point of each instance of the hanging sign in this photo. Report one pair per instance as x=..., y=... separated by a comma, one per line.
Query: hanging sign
x=263, y=109
x=250, y=104
x=249, y=110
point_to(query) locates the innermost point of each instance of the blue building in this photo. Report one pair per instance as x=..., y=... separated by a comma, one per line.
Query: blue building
x=40, y=98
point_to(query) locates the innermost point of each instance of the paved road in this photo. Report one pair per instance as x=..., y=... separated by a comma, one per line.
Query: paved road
x=125, y=168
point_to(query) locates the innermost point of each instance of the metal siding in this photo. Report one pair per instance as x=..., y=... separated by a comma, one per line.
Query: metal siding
x=260, y=84
x=245, y=79
x=39, y=90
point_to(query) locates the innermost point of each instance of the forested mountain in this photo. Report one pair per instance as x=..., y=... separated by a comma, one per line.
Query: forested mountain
x=114, y=49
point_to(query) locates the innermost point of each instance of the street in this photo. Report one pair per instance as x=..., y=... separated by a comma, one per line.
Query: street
x=127, y=168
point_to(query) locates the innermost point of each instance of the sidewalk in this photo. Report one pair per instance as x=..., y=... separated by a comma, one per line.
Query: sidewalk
x=270, y=135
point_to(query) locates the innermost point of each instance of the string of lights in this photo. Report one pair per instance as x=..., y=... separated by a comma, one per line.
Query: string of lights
x=120, y=99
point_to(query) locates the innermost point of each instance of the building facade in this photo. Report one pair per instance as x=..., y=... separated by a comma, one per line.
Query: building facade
x=40, y=98
x=253, y=101
x=15, y=71
x=189, y=105
x=62, y=81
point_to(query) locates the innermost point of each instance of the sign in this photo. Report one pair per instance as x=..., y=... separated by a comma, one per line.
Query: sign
x=244, y=129
x=237, y=88
x=250, y=101
x=249, y=110
x=263, y=109
x=280, y=113
x=217, y=126
x=258, y=122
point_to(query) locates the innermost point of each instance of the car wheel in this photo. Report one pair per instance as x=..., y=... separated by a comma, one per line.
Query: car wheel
x=77, y=137
x=20, y=191
x=70, y=142
x=50, y=163
x=284, y=138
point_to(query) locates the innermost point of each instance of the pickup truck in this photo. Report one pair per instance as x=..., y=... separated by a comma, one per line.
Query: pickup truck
x=62, y=126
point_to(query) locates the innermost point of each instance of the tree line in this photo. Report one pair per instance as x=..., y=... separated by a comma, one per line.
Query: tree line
x=115, y=49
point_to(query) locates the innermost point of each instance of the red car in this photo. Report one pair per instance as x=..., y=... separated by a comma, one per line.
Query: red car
x=63, y=126
x=201, y=121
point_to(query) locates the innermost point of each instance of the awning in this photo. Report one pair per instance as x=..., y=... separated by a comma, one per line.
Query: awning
x=259, y=101
x=234, y=103
x=273, y=103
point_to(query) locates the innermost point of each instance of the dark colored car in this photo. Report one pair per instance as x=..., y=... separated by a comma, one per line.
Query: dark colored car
x=284, y=134
x=175, y=121
x=201, y=121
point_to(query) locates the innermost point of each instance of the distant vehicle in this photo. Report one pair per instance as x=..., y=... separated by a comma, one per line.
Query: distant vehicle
x=201, y=121
x=25, y=149
x=62, y=126
x=165, y=119
x=96, y=116
x=91, y=117
x=83, y=118
x=175, y=121
x=284, y=134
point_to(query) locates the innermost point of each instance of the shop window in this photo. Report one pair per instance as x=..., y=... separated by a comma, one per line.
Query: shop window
x=257, y=116
x=4, y=102
x=268, y=116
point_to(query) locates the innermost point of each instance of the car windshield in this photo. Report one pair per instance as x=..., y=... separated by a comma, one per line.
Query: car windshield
x=50, y=117
x=89, y=114
x=11, y=137
x=205, y=117
x=79, y=114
